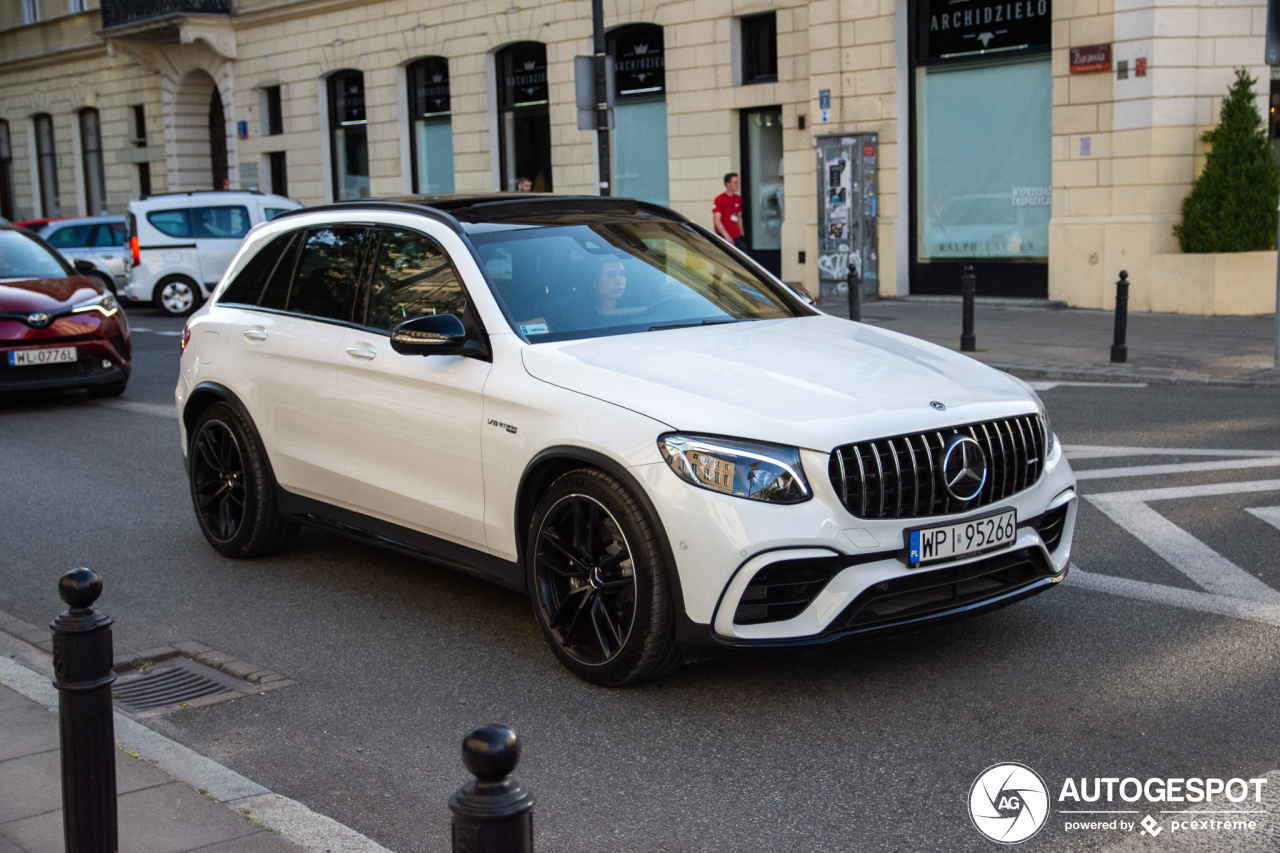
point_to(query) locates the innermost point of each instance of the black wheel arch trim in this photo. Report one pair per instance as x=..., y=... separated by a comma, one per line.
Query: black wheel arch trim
x=217, y=392
x=526, y=502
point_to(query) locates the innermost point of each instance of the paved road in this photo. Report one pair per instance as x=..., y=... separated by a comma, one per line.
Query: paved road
x=1156, y=659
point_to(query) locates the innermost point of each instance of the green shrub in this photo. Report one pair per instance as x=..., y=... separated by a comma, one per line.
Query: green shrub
x=1232, y=208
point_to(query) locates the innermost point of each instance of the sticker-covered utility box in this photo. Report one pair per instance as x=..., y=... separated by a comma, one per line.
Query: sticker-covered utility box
x=847, y=201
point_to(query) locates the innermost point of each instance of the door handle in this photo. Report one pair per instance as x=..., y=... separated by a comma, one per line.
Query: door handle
x=255, y=334
x=363, y=353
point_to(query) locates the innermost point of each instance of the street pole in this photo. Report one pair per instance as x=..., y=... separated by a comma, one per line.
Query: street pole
x=602, y=97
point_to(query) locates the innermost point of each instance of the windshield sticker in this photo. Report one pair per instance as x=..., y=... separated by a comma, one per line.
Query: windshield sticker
x=535, y=329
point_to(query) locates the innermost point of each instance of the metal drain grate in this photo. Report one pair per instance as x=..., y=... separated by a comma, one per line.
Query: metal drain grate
x=181, y=681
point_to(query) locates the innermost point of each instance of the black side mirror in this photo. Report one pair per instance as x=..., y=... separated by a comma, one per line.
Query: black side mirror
x=434, y=334
x=84, y=267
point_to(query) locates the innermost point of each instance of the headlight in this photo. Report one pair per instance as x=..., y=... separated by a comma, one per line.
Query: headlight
x=105, y=305
x=747, y=469
x=1044, y=412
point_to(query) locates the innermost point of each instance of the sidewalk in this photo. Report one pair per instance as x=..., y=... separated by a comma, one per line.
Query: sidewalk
x=1042, y=342
x=169, y=799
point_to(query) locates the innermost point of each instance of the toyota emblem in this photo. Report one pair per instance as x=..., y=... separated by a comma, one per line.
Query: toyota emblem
x=964, y=468
x=38, y=320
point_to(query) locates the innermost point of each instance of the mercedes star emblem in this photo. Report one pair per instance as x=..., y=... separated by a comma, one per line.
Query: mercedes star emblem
x=939, y=406
x=964, y=468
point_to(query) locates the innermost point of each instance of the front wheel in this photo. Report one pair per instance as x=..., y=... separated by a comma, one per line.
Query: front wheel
x=601, y=592
x=232, y=487
x=177, y=296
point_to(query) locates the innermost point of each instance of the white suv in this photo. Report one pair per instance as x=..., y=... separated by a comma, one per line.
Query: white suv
x=181, y=243
x=597, y=402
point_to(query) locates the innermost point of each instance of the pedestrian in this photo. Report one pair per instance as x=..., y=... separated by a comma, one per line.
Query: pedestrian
x=726, y=212
x=524, y=185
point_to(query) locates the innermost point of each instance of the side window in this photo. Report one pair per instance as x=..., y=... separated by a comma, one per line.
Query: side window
x=246, y=288
x=173, y=223
x=71, y=237
x=276, y=293
x=327, y=276
x=112, y=235
x=412, y=276
x=221, y=223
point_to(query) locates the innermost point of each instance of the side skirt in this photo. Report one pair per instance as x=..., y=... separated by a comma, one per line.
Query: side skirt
x=384, y=534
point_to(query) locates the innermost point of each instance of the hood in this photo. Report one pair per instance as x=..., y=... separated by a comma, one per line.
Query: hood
x=812, y=382
x=24, y=296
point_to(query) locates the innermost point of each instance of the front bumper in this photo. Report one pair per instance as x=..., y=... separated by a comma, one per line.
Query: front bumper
x=838, y=576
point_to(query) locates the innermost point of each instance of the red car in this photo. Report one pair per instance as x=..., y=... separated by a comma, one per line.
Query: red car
x=58, y=328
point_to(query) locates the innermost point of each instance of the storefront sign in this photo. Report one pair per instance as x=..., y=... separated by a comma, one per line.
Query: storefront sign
x=429, y=87
x=639, y=61
x=957, y=27
x=1095, y=57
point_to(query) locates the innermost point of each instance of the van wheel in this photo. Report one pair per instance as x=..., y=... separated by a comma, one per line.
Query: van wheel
x=177, y=296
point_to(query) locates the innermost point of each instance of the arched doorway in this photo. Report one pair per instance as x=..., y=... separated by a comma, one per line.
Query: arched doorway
x=200, y=136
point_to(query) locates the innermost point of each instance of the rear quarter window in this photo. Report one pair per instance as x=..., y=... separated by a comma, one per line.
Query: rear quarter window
x=171, y=223
x=225, y=222
x=247, y=287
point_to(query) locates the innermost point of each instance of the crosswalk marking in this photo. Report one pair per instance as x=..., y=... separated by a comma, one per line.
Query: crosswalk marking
x=1184, y=468
x=1269, y=514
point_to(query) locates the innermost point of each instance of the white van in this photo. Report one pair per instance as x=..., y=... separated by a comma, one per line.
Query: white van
x=181, y=243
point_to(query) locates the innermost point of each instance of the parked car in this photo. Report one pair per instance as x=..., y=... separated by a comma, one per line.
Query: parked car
x=97, y=239
x=59, y=328
x=599, y=403
x=181, y=243
x=36, y=224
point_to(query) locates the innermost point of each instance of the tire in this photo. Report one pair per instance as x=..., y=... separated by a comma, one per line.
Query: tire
x=115, y=389
x=232, y=487
x=608, y=618
x=177, y=296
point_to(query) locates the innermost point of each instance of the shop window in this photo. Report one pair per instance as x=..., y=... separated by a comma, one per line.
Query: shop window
x=95, y=184
x=430, y=126
x=348, y=137
x=639, y=139
x=6, y=172
x=524, y=119
x=47, y=165
x=760, y=48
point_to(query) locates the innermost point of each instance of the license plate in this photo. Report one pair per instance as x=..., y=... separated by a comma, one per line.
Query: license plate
x=961, y=538
x=53, y=355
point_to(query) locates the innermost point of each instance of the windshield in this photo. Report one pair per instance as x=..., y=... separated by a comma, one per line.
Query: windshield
x=22, y=257
x=615, y=276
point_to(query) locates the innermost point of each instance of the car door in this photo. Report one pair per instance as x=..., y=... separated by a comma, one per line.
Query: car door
x=412, y=424
x=219, y=230
x=108, y=250
x=286, y=344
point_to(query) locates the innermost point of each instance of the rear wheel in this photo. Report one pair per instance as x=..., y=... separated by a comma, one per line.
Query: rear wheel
x=108, y=283
x=232, y=487
x=177, y=296
x=601, y=593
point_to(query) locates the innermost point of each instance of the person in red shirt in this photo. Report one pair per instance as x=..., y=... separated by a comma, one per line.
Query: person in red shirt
x=726, y=212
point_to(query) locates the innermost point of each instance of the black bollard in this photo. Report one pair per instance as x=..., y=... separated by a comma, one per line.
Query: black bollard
x=82, y=659
x=968, y=286
x=855, y=294
x=493, y=814
x=1119, y=351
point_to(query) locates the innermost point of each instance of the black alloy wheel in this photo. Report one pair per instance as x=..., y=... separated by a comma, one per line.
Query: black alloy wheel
x=232, y=487
x=586, y=580
x=217, y=480
x=599, y=581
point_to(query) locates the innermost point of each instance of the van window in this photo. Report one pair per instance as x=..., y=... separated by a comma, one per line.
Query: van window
x=221, y=223
x=412, y=276
x=246, y=288
x=172, y=223
x=327, y=275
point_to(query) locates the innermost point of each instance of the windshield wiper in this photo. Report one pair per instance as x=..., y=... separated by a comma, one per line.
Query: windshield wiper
x=688, y=325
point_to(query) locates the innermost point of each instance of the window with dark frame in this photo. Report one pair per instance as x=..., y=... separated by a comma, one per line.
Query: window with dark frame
x=760, y=48
x=348, y=138
x=144, y=180
x=139, y=125
x=95, y=182
x=275, y=117
x=279, y=176
x=6, y=172
x=47, y=165
x=430, y=126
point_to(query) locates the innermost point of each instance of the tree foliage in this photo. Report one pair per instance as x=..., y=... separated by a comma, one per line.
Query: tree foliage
x=1232, y=208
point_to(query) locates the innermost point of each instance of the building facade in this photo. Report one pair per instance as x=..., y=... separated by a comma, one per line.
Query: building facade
x=1048, y=143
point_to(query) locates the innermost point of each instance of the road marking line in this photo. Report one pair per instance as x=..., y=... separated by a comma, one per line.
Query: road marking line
x=1206, y=602
x=1269, y=514
x=157, y=409
x=1207, y=490
x=1184, y=468
x=292, y=820
x=1183, y=551
x=1098, y=451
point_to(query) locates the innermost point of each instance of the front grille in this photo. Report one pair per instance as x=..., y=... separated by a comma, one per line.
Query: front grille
x=922, y=594
x=898, y=477
x=783, y=590
x=1050, y=526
